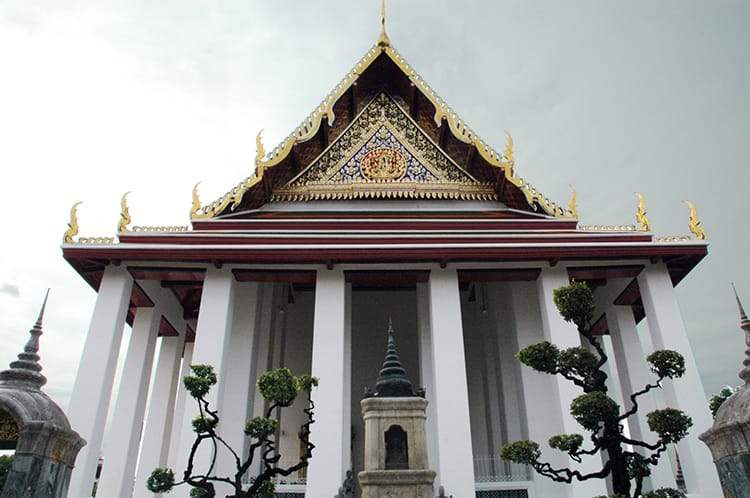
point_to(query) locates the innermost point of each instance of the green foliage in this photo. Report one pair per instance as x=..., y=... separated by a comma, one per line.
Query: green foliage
x=666, y=363
x=278, y=386
x=525, y=452
x=670, y=424
x=267, y=490
x=718, y=399
x=202, y=425
x=160, y=481
x=575, y=303
x=261, y=427
x=591, y=409
x=596, y=412
x=578, y=362
x=201, y=382
x=6, y=462
x=566, y=442
x=542, y=357
x=664, y=493
x=638, y=467
x=305, y=382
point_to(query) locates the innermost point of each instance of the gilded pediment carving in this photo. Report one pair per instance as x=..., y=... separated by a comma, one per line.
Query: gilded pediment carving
x=383, y=154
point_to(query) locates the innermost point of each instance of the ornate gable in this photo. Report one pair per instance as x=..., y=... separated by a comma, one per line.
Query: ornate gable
x=383, y=154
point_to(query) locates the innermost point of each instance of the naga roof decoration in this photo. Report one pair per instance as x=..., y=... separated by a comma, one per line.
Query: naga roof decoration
x=383, y=154
x=443, y=116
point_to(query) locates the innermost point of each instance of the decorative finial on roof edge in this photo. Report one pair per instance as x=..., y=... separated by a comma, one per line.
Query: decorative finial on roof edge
x=695, y=224
x=573, y=204
x=72, y=230
x=26, y=369
x=122, y=225
x=260, y=151
x=744, y=374
x=640, y=215
x=383, y=40
x=196, y=206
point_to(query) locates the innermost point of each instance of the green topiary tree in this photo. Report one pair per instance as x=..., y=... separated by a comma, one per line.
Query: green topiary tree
x=280, y=388
x=599, y=415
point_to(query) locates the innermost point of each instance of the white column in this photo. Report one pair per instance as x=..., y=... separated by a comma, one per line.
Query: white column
x=174, y=459
x=565, y=335
x=634, y=376
x=239, y=372
x=427, y=372
x=89, y=402
x=121, y=453
x=541, y=397
x=347, y=423
x=157, y=431
x=450, y=396
x=329, y=357
x=211, y=345
x=686, y=394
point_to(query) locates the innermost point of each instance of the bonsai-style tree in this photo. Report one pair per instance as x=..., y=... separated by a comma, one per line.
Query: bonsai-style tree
x=598, y=414
x=280, y=388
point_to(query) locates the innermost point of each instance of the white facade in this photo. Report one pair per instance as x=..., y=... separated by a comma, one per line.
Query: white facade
x=460, y=350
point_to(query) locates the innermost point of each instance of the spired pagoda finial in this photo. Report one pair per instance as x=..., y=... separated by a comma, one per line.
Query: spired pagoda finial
x=383, y=40
x=745, y=326
x=26, y=369
x=392, y=381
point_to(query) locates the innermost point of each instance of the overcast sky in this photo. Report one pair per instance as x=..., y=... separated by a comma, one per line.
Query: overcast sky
x=611, y=97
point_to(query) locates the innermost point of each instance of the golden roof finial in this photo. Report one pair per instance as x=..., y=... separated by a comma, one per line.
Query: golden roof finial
x=72, y=230
x=640, y=215
x=383, y=40
x=122, y=225
x=260, y=151
x=573, y=204
x=508, y=152
x=695, y=225
x=196, y=202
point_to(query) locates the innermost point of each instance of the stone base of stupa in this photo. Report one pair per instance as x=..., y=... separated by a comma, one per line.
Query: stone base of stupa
x=411, y=483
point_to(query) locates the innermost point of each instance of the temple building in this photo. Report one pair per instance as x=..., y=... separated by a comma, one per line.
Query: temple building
x=383, y=204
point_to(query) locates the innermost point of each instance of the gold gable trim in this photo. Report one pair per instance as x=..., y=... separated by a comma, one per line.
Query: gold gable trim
x=310, y=125
x=385, y=190
x=383, y=129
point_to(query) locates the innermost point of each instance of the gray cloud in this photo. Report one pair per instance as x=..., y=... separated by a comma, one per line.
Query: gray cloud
x=9, y=289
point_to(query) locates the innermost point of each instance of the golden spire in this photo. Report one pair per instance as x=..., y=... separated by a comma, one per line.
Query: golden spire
x=122, y=225
x=383, y=40
x=695, y=224
x=573, y=204
x=72, y=230
x=640, y=215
